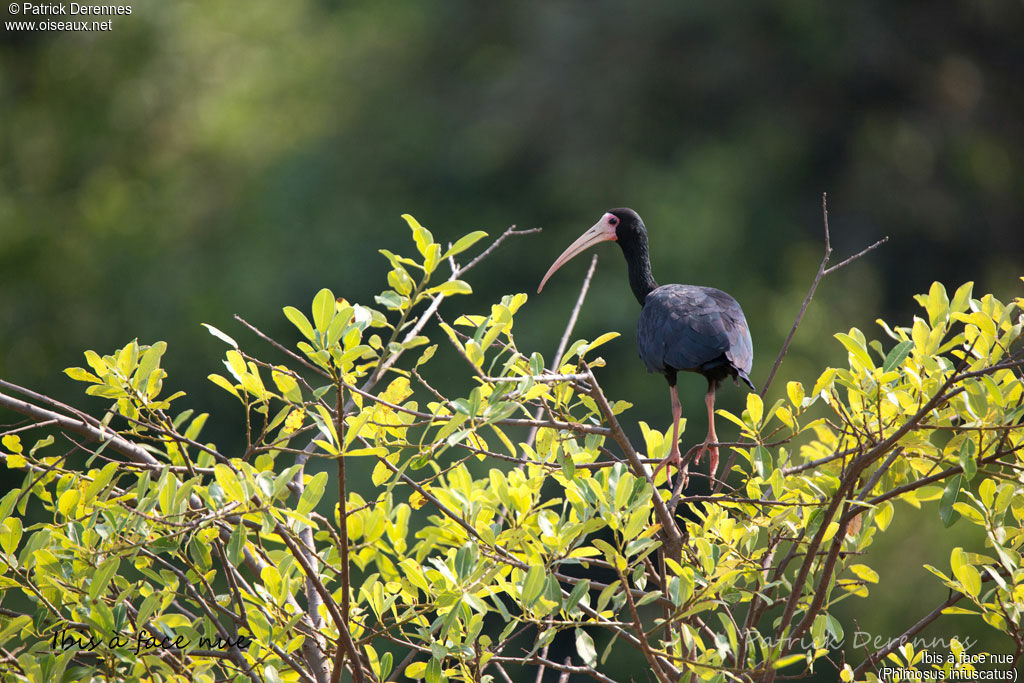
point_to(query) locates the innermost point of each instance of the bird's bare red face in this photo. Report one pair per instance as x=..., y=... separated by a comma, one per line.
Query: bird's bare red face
x=602, y=231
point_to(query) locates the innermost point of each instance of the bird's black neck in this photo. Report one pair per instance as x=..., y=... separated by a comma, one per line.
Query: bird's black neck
x=638, y=263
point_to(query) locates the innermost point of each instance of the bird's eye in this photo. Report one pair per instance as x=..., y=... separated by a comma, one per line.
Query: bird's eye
x=613, y=221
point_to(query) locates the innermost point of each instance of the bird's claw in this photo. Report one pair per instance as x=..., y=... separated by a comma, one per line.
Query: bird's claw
x=712, y=452
x=674, y=458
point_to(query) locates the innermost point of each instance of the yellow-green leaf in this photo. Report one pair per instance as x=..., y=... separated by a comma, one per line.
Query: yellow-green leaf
x=68, y=502
x=101, y=577
x=312, y=494
x=301, y=322
x=755, y=409
x=10, y=534
x=465, y=242
x=12, y=442
x=450, y=287
x=788, y=660
x=228, y=482
x=864, y=572
x=533, y=584
x=795, y=391
x=323, y=309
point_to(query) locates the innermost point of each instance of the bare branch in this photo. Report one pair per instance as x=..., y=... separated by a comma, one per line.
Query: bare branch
x=82, y=425
x=823, y=270
x=856, y=256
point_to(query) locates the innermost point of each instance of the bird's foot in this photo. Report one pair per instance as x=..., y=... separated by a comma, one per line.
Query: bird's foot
x=674, y=458
x=712, y=451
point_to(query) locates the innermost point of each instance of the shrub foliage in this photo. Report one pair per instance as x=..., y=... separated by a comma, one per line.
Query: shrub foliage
x=474, y=546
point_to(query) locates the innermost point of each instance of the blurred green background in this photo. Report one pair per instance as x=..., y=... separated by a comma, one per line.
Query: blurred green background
x=203, y=159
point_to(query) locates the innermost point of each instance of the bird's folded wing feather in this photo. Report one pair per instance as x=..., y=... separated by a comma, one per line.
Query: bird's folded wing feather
x=683, y=327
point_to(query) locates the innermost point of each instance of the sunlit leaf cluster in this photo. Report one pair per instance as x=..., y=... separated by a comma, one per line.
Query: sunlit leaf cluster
x=497, y=518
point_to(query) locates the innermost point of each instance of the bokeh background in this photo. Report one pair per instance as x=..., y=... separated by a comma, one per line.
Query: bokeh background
x=203, y=159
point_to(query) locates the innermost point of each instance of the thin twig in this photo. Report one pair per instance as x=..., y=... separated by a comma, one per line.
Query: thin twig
x=856, y=256
x=807, y=299
x=281, y=347
x=823, y=270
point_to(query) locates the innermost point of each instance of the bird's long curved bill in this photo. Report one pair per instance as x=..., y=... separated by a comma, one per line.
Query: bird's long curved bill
x=602, y=231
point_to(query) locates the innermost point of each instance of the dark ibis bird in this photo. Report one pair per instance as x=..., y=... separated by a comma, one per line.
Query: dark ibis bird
x=681, y=327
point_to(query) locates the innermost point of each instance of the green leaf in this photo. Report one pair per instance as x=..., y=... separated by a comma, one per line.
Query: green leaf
x=578, y=591
x=937, y=304
x=585, y=647
x=235, y=363
x=224, y=384
x=323, y=309
x=858, y=353
x=566, y=461
x=533, y=584
x=465, y=560
x=41, y=443
x=168, y=487
x=10, y=534
x=96, y=363
x=762, y=460
x=420, y=235
x=949, y=496
x=236, y=545
x=883, y=515
x=390, y=299
x=648, y=597
x=99, y=482
x=228, y=482
x=281, y=480
x=967, y=461
x=897, y=355
x=987, y=491
x=148, y=363
x=969, y=578
x=312, y=494
x=464, y=243
x=300, y=321
x=196, y=426
x=433, y=673
x=82, y=375
x=600, y=341
x=101, y=577
x=12, y=442
x=961, y=298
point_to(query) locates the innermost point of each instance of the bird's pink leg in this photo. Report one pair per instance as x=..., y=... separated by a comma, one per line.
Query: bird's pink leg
x=674, y=457
x=712, y=438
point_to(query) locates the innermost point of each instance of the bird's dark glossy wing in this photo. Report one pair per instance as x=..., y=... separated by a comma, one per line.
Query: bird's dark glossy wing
x=700, y=329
